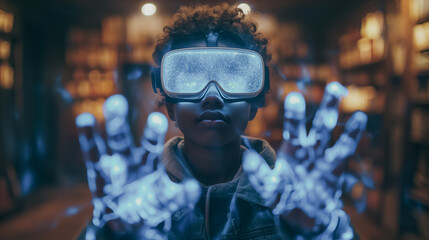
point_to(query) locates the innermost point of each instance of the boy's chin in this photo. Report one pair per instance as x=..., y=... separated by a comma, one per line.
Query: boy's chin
x=209, y=140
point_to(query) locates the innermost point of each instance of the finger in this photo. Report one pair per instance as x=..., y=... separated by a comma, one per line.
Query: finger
x=155, y=197
x=140, y=197
x=255, y=167
x=294, y=132
x=265, y=181
x=114, y=169
x=93, y=147
x=119, y=139
x=294, y=114
x=126, y=208
x=192, y=191
x=91, y=143
x=166, y=192
x=348, y=141
x=173, y=196
x=152, y=140
x=327, y=116
x=284, y=171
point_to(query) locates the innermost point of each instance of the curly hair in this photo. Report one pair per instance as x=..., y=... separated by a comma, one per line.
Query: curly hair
x=227, y=20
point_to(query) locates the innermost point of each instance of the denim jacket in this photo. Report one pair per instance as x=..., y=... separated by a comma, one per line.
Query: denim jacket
x=232, y=210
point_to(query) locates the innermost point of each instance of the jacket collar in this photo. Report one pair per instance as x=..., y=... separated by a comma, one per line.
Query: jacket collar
x=178, y=168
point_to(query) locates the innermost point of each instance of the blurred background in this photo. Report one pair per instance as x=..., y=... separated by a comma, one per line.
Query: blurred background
x=65, y=57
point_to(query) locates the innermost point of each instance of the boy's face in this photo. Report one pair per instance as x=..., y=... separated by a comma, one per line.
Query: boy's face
x=212, y=121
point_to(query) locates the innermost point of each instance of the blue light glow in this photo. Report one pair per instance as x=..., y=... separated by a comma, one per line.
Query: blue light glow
x=155, y=130
x=157, y=122
x=336, y=89
x=115, y=105
x=115, y=110
x=294, y=104
x=134, y=192
x=304, y=177
x=294, y=116
x=27, y=182
x=72, y=211
x=114, y=170
x=85, y=119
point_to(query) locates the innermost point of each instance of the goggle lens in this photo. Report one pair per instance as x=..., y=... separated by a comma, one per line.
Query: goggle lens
x=185, y=73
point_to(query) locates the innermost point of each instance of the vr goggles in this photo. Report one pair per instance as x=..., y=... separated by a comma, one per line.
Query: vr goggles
x=185, y=74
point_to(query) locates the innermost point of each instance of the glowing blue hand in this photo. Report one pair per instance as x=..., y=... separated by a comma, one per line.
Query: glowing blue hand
x=130, y=185
x=269, y=183
x=306, y=180
x=155, y=198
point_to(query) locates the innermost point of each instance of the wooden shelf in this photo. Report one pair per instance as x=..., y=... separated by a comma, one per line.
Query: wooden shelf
x=365, y=68
x=309, y=82
x=367, y=112
x=296, y=61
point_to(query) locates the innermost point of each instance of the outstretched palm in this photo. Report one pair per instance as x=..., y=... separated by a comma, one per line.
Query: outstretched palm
x=130, y=187
x=305, y=176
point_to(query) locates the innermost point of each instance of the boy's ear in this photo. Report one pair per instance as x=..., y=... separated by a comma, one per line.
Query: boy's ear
x=253, y=111
x=170, y=111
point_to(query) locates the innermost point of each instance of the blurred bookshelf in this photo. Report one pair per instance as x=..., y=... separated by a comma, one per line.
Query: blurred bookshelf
x=294, y=67
x=415, y=186
x=361, y=65
x=110, y=57
x=96, y=58
x=10, y=189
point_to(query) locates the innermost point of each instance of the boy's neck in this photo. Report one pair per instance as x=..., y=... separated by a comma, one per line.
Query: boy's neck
x=212, y=165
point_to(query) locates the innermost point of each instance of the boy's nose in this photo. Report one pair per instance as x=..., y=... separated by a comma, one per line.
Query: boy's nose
x=212, y=99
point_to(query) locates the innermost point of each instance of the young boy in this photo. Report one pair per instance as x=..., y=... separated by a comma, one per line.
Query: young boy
x=212, y=125
x=212, y=110
x=212, y=72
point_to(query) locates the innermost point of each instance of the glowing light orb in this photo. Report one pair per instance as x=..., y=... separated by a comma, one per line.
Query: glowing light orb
x=245, y=8
x=148, y=9
x=157, y=122
x=295, y=102
x=115, y=105
x=85, y=119
x=337, y=89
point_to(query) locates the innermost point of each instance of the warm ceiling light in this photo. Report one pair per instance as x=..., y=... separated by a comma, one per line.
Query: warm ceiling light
x=245, y=7
x=148, y=9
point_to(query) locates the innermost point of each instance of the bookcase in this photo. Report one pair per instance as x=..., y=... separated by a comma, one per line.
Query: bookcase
x=10, y=62
x=414, y=214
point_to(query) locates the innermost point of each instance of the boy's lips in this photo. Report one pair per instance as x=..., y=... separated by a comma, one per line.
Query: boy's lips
x=212, y=119
x=212, y=116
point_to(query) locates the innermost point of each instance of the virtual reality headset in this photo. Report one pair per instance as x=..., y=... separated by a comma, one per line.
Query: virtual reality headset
x=185, y=74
